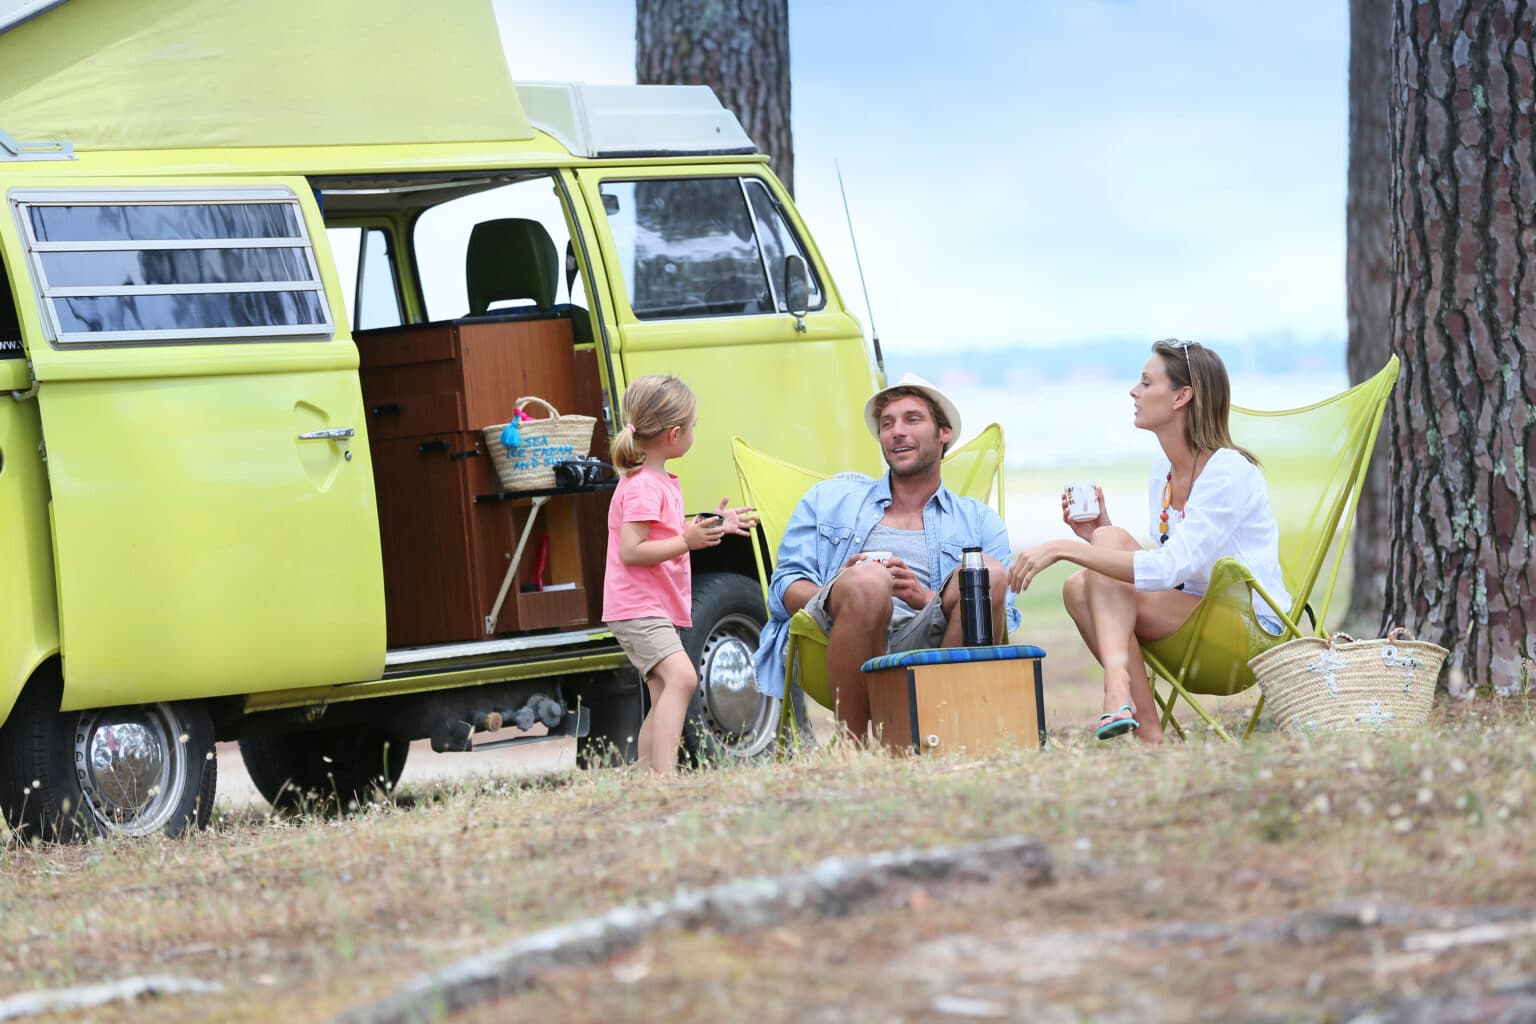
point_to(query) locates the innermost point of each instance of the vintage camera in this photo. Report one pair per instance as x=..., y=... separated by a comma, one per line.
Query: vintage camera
x=575, y=473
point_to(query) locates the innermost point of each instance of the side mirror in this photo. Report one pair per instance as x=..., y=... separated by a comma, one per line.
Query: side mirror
x=610, y=203
x=797, y=287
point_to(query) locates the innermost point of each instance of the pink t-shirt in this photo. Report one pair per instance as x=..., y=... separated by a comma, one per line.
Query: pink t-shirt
x=664, y=590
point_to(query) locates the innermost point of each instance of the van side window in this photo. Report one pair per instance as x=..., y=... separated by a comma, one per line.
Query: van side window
x=151, y=266
x=778, y=241
x=365, y=260
x=700, y=246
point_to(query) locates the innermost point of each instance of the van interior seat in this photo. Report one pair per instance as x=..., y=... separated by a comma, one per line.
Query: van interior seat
x=510, y=259
x=514, y=258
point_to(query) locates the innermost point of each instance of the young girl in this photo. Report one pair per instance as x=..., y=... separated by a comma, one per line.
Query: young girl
x=647, y=589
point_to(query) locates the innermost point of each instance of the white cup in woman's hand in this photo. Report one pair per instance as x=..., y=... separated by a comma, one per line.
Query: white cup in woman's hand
x=1083, y=501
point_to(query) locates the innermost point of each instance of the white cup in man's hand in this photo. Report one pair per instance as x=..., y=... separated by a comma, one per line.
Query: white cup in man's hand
x=1083, y=501
x=876, y=556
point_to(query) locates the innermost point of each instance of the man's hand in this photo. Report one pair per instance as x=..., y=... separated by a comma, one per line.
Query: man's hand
x=905, y=585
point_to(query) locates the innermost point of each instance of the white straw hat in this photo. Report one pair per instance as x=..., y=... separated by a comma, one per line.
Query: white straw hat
x=916, y=383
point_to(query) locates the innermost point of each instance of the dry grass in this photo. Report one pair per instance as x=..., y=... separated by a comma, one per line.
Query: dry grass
x=299, y=920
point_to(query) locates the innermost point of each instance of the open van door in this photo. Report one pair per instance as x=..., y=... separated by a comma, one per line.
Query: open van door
x=213, y=509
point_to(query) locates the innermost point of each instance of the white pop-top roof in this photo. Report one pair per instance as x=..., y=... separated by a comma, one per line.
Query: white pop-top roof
x=626, y=120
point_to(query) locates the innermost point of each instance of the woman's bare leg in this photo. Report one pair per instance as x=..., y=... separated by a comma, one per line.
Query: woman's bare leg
x=1112, y=608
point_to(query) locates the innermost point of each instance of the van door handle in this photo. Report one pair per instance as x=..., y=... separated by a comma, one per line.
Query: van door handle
x=334, y=434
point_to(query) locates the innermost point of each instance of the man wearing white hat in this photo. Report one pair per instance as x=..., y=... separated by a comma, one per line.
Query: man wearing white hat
x=873, y=560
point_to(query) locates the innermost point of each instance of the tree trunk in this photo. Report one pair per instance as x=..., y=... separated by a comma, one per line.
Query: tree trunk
x=739, y=48
x=1368, y=277
x=1464, y=321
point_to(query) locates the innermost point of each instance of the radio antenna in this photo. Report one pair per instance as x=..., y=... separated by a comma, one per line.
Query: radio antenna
x=874, y=333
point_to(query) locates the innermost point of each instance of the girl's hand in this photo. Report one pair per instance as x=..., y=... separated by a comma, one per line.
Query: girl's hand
x=738, y=520
x=705, y=531
x=1028, y=564
x=1084, y=530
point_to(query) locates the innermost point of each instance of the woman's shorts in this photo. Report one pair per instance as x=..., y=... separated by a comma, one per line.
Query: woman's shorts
x=647, y=641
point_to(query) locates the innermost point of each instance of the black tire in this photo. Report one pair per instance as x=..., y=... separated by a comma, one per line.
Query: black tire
x=326, y=771
x=728, y=720
x=616, y=702
x=128, y=771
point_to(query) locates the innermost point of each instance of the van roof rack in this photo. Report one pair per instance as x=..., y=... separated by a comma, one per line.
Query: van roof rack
x=633, y=120
x=10, y=149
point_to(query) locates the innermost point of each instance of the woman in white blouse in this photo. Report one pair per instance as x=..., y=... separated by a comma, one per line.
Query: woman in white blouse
x=1207, y=500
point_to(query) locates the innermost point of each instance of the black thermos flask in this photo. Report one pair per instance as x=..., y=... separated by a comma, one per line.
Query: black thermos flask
x=975, y=599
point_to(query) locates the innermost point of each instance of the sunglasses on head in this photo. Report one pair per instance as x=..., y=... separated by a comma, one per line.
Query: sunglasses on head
x=1184, y=347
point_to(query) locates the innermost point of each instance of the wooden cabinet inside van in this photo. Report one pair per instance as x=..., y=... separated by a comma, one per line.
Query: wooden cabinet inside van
x=447, y=529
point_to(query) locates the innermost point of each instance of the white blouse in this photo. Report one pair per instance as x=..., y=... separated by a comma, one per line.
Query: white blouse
x=1227, y=516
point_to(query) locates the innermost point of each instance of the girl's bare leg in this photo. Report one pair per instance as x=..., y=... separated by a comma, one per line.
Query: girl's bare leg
x=677, y=680
x=643, y=741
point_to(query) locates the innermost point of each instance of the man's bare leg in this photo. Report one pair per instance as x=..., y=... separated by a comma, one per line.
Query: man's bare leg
x=860, y=608
x=954, y=628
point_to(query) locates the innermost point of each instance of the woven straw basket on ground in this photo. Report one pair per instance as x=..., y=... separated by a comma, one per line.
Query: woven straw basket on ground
x=530, y=466
x=1344, y=684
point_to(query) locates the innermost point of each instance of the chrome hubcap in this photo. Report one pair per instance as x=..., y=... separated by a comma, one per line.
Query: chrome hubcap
x=741, y=718
x=131, y=764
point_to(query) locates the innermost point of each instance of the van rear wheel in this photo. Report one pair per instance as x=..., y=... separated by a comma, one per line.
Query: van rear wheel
x=324, y=771
x=125, y=771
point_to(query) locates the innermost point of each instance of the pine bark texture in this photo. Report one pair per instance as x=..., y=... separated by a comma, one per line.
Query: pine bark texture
x=1368, y=279
x=739, y=48
x=1464, y=321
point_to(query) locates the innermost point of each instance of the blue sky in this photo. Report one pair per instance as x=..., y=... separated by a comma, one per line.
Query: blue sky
x=1043, y=172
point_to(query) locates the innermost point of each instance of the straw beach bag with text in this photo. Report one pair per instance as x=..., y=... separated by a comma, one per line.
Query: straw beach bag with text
x=530, y=466
x=1346, y=684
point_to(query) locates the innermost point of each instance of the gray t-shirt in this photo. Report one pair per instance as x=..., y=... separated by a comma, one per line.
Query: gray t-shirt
x=911, y=546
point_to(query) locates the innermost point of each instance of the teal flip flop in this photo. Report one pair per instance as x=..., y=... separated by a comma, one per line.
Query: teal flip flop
x=1110, y=725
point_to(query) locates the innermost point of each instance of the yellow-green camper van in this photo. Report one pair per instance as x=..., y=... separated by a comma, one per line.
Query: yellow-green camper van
x=266, y=274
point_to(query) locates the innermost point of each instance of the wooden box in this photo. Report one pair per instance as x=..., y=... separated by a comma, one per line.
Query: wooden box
x=434, y=378
x=959, y=707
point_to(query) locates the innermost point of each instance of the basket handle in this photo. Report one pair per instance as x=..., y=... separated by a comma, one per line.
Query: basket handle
x=554, y=413
x=1399, y=631
x=1339, y=636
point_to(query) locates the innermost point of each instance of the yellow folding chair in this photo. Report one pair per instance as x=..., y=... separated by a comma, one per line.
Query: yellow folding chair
x=1314, y=460
x=774, y=487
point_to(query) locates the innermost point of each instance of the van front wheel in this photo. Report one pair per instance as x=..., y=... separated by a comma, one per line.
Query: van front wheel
x=126, y=771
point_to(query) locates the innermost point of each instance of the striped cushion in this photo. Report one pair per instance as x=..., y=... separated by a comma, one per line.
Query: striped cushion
x=951, y=656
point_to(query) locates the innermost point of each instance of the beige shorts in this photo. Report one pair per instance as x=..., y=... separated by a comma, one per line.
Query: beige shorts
x=908, y=630
x=646, y=641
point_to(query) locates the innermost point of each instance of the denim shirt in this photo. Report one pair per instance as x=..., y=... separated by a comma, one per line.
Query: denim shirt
x=829, y=526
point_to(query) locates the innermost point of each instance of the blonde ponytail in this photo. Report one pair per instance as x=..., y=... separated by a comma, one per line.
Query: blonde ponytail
x=653, y=404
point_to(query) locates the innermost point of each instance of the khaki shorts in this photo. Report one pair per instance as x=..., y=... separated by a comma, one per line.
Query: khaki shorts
x=647, y=641
x=908, y=630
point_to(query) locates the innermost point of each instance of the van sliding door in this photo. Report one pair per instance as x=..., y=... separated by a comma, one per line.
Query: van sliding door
x=213, y=506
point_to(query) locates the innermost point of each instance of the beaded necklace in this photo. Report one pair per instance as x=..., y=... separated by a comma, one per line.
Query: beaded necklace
x=1162, y=526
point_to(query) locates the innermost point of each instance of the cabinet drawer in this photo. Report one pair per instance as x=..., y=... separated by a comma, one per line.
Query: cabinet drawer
x=393, y=412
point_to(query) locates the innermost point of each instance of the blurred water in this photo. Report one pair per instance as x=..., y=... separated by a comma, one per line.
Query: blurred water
x=1082, y=423
x=1082, y=430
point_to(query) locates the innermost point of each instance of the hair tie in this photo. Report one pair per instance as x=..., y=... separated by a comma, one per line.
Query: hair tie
x=629, y=427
